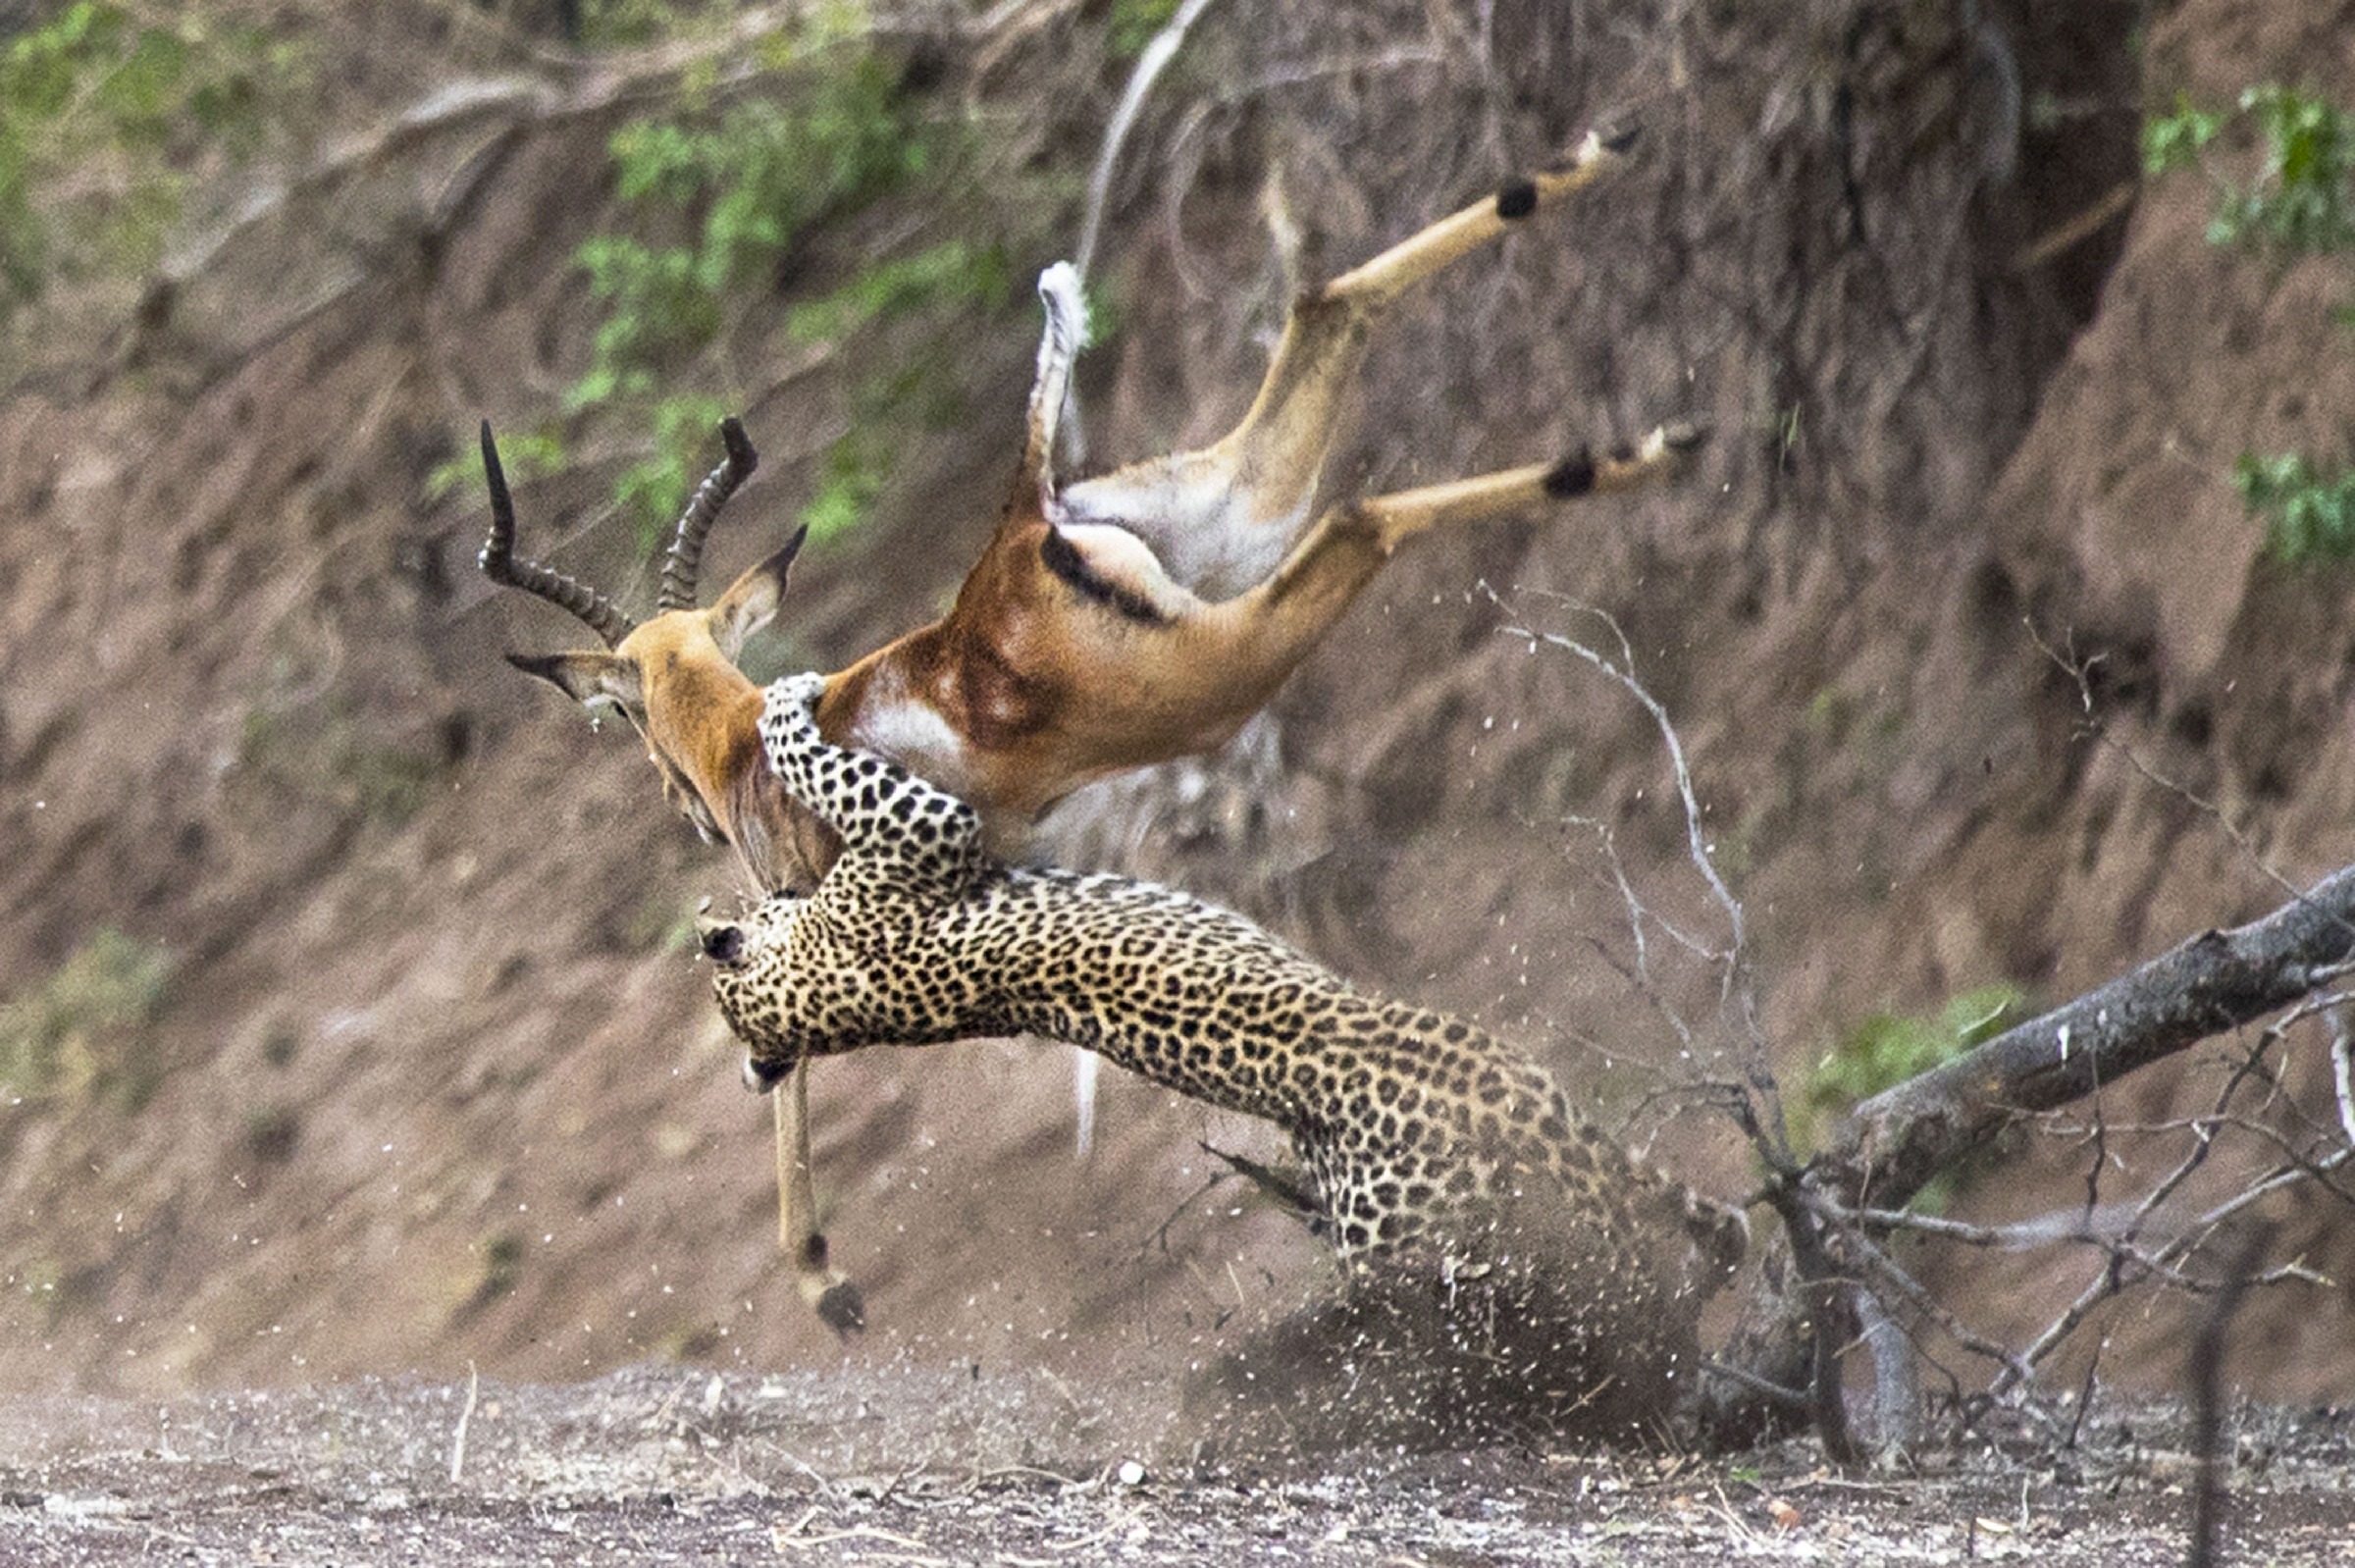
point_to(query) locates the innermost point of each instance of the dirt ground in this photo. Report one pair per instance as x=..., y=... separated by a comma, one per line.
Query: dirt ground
x=913, y=1466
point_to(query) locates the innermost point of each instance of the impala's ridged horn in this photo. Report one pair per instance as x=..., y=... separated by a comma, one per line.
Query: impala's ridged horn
x=686, y=556
x=500, y=564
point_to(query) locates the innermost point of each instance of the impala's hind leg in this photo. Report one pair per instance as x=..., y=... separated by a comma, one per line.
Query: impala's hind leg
x=1248, y=645
x=1395, y=518
x=1221, y=518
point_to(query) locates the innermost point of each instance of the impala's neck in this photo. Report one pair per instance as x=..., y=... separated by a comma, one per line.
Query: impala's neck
x=701, y=726
x=875, y=705
x=779, y=844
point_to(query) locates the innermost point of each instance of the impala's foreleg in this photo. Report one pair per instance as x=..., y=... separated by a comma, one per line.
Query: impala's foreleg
x=823, y=1288
x=1221, y=518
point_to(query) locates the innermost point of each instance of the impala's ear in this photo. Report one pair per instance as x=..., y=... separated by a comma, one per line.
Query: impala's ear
x=588, y=677
x=751, y=602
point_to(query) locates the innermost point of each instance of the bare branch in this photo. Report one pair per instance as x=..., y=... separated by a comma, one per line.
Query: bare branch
x=1697, y=843
x=2343, y=1072
x=1896, y=1142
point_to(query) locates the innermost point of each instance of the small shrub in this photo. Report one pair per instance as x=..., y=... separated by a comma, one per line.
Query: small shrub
x=718, y=200
x=2300, y=202
x=2175, y=140
x=718, y=203
x=1886, y=1049
x=2309, y=513
x=100, y=108
x=71, y=1034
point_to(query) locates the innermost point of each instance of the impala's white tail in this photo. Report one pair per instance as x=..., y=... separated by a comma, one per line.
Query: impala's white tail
x=1058, y=349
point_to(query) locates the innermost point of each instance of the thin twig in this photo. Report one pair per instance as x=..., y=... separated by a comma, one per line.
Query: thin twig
x=1623, y=673
x=457, y=1443
x=2097, y=730
x=2343, y=1072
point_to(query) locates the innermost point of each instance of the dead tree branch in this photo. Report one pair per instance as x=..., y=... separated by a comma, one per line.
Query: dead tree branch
x=1895, y=1143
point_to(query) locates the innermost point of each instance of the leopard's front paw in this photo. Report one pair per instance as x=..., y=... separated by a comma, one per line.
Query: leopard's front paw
x=793, y=701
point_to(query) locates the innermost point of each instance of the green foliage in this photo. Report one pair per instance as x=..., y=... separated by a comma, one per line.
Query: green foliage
x=2175, y=140
x=1888, y=1048
x=66, y=1036
x=525, y=455
x=953, y=273
x=622, y=23
x=717, y=202
x=1133, y=23
x=103, y=105
x=850, y=477
x=852, y=472
x=2309, y=514
x=653, y=488
x=2300, y=201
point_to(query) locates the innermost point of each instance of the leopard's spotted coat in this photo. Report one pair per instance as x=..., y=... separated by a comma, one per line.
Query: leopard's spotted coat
x=1424, y=1137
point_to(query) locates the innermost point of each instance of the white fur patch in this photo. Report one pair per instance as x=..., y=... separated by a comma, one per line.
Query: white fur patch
x=1207, y=528
x=912, y=733
x=1120, y=558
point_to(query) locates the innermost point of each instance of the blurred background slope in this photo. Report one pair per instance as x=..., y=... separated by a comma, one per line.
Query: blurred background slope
x=351, y=1023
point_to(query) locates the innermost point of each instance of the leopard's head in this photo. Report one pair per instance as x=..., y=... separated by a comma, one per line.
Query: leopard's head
x=752, y=977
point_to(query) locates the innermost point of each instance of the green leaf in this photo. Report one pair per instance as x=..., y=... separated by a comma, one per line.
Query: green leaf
x=2309, y=514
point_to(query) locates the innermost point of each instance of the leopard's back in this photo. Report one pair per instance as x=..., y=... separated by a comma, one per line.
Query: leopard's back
x=1413, y=1123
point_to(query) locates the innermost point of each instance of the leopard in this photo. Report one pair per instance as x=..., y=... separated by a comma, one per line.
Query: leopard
x=1430, y=1148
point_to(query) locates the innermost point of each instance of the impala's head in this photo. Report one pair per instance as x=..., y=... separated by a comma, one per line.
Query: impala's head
x=674, y=677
